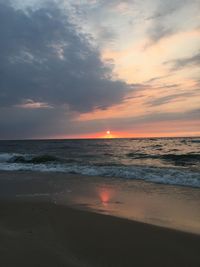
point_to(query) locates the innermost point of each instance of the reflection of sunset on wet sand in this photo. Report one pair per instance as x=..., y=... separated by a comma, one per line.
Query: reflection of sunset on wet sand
x=105, y=194
x=155, y=204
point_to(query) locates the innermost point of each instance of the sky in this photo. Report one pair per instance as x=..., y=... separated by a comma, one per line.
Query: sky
x=79, y=69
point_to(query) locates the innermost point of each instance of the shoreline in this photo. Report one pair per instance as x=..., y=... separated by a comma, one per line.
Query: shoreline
x=174, y=207
x=47, y=234
x=78, y=175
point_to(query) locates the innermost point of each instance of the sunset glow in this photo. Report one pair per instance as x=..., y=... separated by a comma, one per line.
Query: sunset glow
x=100, y=69
x=100, y=112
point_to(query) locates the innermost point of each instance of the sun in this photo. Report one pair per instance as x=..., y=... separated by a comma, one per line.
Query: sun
x=108, y=135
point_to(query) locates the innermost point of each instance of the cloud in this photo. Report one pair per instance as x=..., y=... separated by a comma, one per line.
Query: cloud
x=162, y=25
x=167, y=99
x=112, y=3
x=157, y=78
x=20, y=123
x=181, y=63
x=44, y=58
x=30, y=104
x=167, y=7
x=101, y=18
x=134, y=124
x=159, y=31
x=49, y=72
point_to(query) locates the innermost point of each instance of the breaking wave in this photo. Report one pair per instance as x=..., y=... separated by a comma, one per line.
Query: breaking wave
x=26, y=158
x=47, y=163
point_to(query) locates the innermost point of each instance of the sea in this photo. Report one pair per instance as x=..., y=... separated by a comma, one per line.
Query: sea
x=174, y=161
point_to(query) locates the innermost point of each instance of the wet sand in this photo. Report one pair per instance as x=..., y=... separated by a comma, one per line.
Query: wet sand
x=175, y=207
x=46, y=234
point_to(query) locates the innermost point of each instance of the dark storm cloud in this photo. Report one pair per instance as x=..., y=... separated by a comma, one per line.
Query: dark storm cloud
x=44, y=59
x=184, y=62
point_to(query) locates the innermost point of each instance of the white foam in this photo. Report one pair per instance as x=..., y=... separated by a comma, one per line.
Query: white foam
x=4, y=157
x=171, y=176
x=29, y=167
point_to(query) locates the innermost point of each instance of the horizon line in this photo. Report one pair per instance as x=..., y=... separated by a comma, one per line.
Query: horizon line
x=99, y=138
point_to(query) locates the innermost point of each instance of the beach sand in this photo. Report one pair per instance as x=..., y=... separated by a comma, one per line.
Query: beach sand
x=175, y=207
x=47, y=234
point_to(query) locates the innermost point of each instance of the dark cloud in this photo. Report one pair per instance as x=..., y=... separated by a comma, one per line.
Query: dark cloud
x=180, y=63
x=17, y=123
x=49, y=72
x=45, y=59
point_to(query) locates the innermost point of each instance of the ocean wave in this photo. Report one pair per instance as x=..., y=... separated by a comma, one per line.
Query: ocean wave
x=34, y=159
x=5, y=157
x=189, y=159
x=195, y=141
x=134, y=155
x=170, y=176
x=28, y=158
x=182, y=159
x=12, y=158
